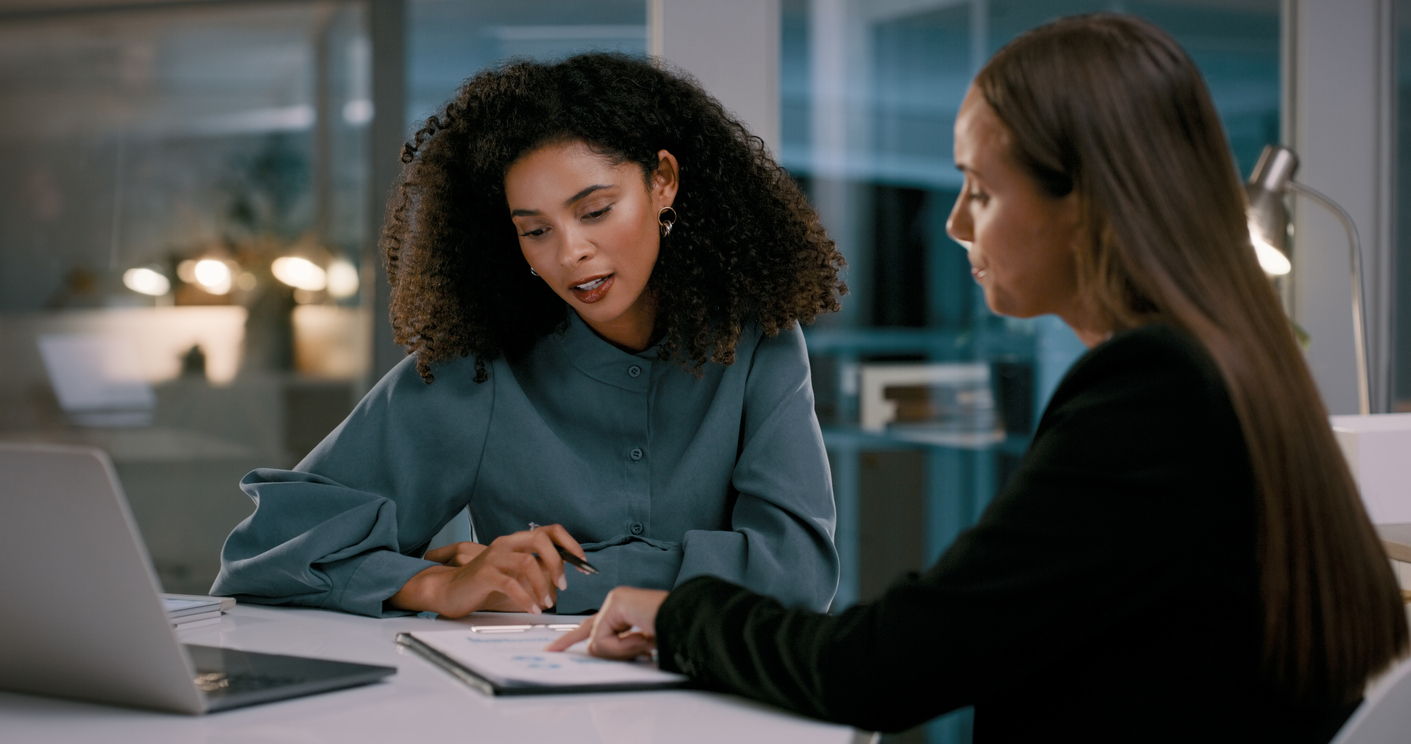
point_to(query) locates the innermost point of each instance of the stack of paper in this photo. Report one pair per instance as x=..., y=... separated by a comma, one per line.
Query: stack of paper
x=187, y=611
x=505, y=663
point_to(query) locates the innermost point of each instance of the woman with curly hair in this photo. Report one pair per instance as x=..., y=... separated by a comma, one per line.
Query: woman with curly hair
x=1182, y=556
x=600, y=276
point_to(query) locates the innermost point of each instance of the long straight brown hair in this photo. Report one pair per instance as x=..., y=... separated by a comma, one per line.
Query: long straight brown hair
x=1110, y=107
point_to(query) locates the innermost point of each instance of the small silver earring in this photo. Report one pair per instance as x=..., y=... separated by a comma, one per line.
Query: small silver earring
x=532, y=271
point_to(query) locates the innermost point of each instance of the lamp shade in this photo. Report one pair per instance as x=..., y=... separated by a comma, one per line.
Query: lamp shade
x=1268, y=217
x=1268, y=232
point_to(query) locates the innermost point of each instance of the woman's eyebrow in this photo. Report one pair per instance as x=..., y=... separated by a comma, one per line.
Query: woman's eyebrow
x=584, y=193
x=567, y=203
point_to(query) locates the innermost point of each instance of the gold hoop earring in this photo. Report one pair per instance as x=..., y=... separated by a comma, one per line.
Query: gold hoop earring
x=665, y=222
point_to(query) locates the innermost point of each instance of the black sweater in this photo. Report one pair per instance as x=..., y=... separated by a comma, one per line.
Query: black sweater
x=1110, y=593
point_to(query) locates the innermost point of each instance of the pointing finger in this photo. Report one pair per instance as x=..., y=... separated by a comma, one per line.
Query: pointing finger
x=571, y=637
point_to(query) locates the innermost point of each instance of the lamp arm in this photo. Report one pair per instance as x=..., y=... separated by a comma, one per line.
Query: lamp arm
x=1364, y=397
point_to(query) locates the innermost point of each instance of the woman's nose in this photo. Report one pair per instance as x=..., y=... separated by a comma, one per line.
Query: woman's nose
x=958, y=225
x=576, y=248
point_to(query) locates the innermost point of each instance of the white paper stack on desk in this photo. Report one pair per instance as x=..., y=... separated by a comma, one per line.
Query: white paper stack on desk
x=510, y=660
x=186, y=611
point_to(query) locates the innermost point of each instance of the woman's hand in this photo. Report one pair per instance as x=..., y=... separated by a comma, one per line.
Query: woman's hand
x=624, y=628
x=519, y=572
x=455, y=555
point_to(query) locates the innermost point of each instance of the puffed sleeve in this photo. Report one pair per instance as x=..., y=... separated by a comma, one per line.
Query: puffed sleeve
x=346, y=527
x=781, y=539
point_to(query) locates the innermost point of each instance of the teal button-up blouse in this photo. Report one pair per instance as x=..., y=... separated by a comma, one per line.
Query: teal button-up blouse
x=661, y=475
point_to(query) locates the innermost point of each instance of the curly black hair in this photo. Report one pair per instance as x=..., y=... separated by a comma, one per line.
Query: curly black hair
x=747, y=245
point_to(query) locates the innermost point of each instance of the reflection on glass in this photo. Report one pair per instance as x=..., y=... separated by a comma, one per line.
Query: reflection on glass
x=299, y=273
x=450, y=40
x=154, y=163
x=190, y=184
x=146, y=281
x=1401, y=294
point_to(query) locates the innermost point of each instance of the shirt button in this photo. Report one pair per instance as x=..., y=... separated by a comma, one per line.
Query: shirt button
x=636, y=528
x=636, y=453
x=634, y=371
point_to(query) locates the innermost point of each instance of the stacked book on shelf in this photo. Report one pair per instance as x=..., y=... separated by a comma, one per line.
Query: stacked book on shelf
x=186, y=611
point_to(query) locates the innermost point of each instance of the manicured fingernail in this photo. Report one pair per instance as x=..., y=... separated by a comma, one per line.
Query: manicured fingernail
x=535, y=609
x=548, y=601
x=562, y=582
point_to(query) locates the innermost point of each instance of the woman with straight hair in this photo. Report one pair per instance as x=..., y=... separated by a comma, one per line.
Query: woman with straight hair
x=1183, y=554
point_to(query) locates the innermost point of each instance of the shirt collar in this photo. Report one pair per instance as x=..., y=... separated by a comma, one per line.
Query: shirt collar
x=600, y=360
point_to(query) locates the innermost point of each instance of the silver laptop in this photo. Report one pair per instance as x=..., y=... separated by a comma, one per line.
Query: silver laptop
x=80, y=614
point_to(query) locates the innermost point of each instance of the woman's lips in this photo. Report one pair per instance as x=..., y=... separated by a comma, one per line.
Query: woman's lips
x=593, y=289
x=977, y=273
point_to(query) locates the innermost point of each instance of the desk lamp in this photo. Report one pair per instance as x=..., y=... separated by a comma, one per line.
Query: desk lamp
x=1268, y=230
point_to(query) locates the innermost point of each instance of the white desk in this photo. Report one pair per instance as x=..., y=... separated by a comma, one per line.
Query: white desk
x=419, y=704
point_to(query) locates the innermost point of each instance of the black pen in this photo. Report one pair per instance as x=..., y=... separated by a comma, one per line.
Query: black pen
x=570, y=558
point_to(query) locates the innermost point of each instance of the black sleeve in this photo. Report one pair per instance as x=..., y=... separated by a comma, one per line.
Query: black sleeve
x=1138, y=453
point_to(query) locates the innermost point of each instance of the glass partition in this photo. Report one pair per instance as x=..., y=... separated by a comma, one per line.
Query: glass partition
x=1401, y=227
x=184, y=231
x=182, y=197
x=451, y=40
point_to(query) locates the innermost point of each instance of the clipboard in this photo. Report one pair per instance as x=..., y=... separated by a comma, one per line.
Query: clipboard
x=502, y=662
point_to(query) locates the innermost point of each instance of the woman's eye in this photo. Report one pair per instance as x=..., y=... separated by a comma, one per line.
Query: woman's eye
x=536, y=232
x=978, y=196
x=598, y=214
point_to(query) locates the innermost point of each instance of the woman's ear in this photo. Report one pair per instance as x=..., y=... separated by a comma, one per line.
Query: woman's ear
x=666, y=180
